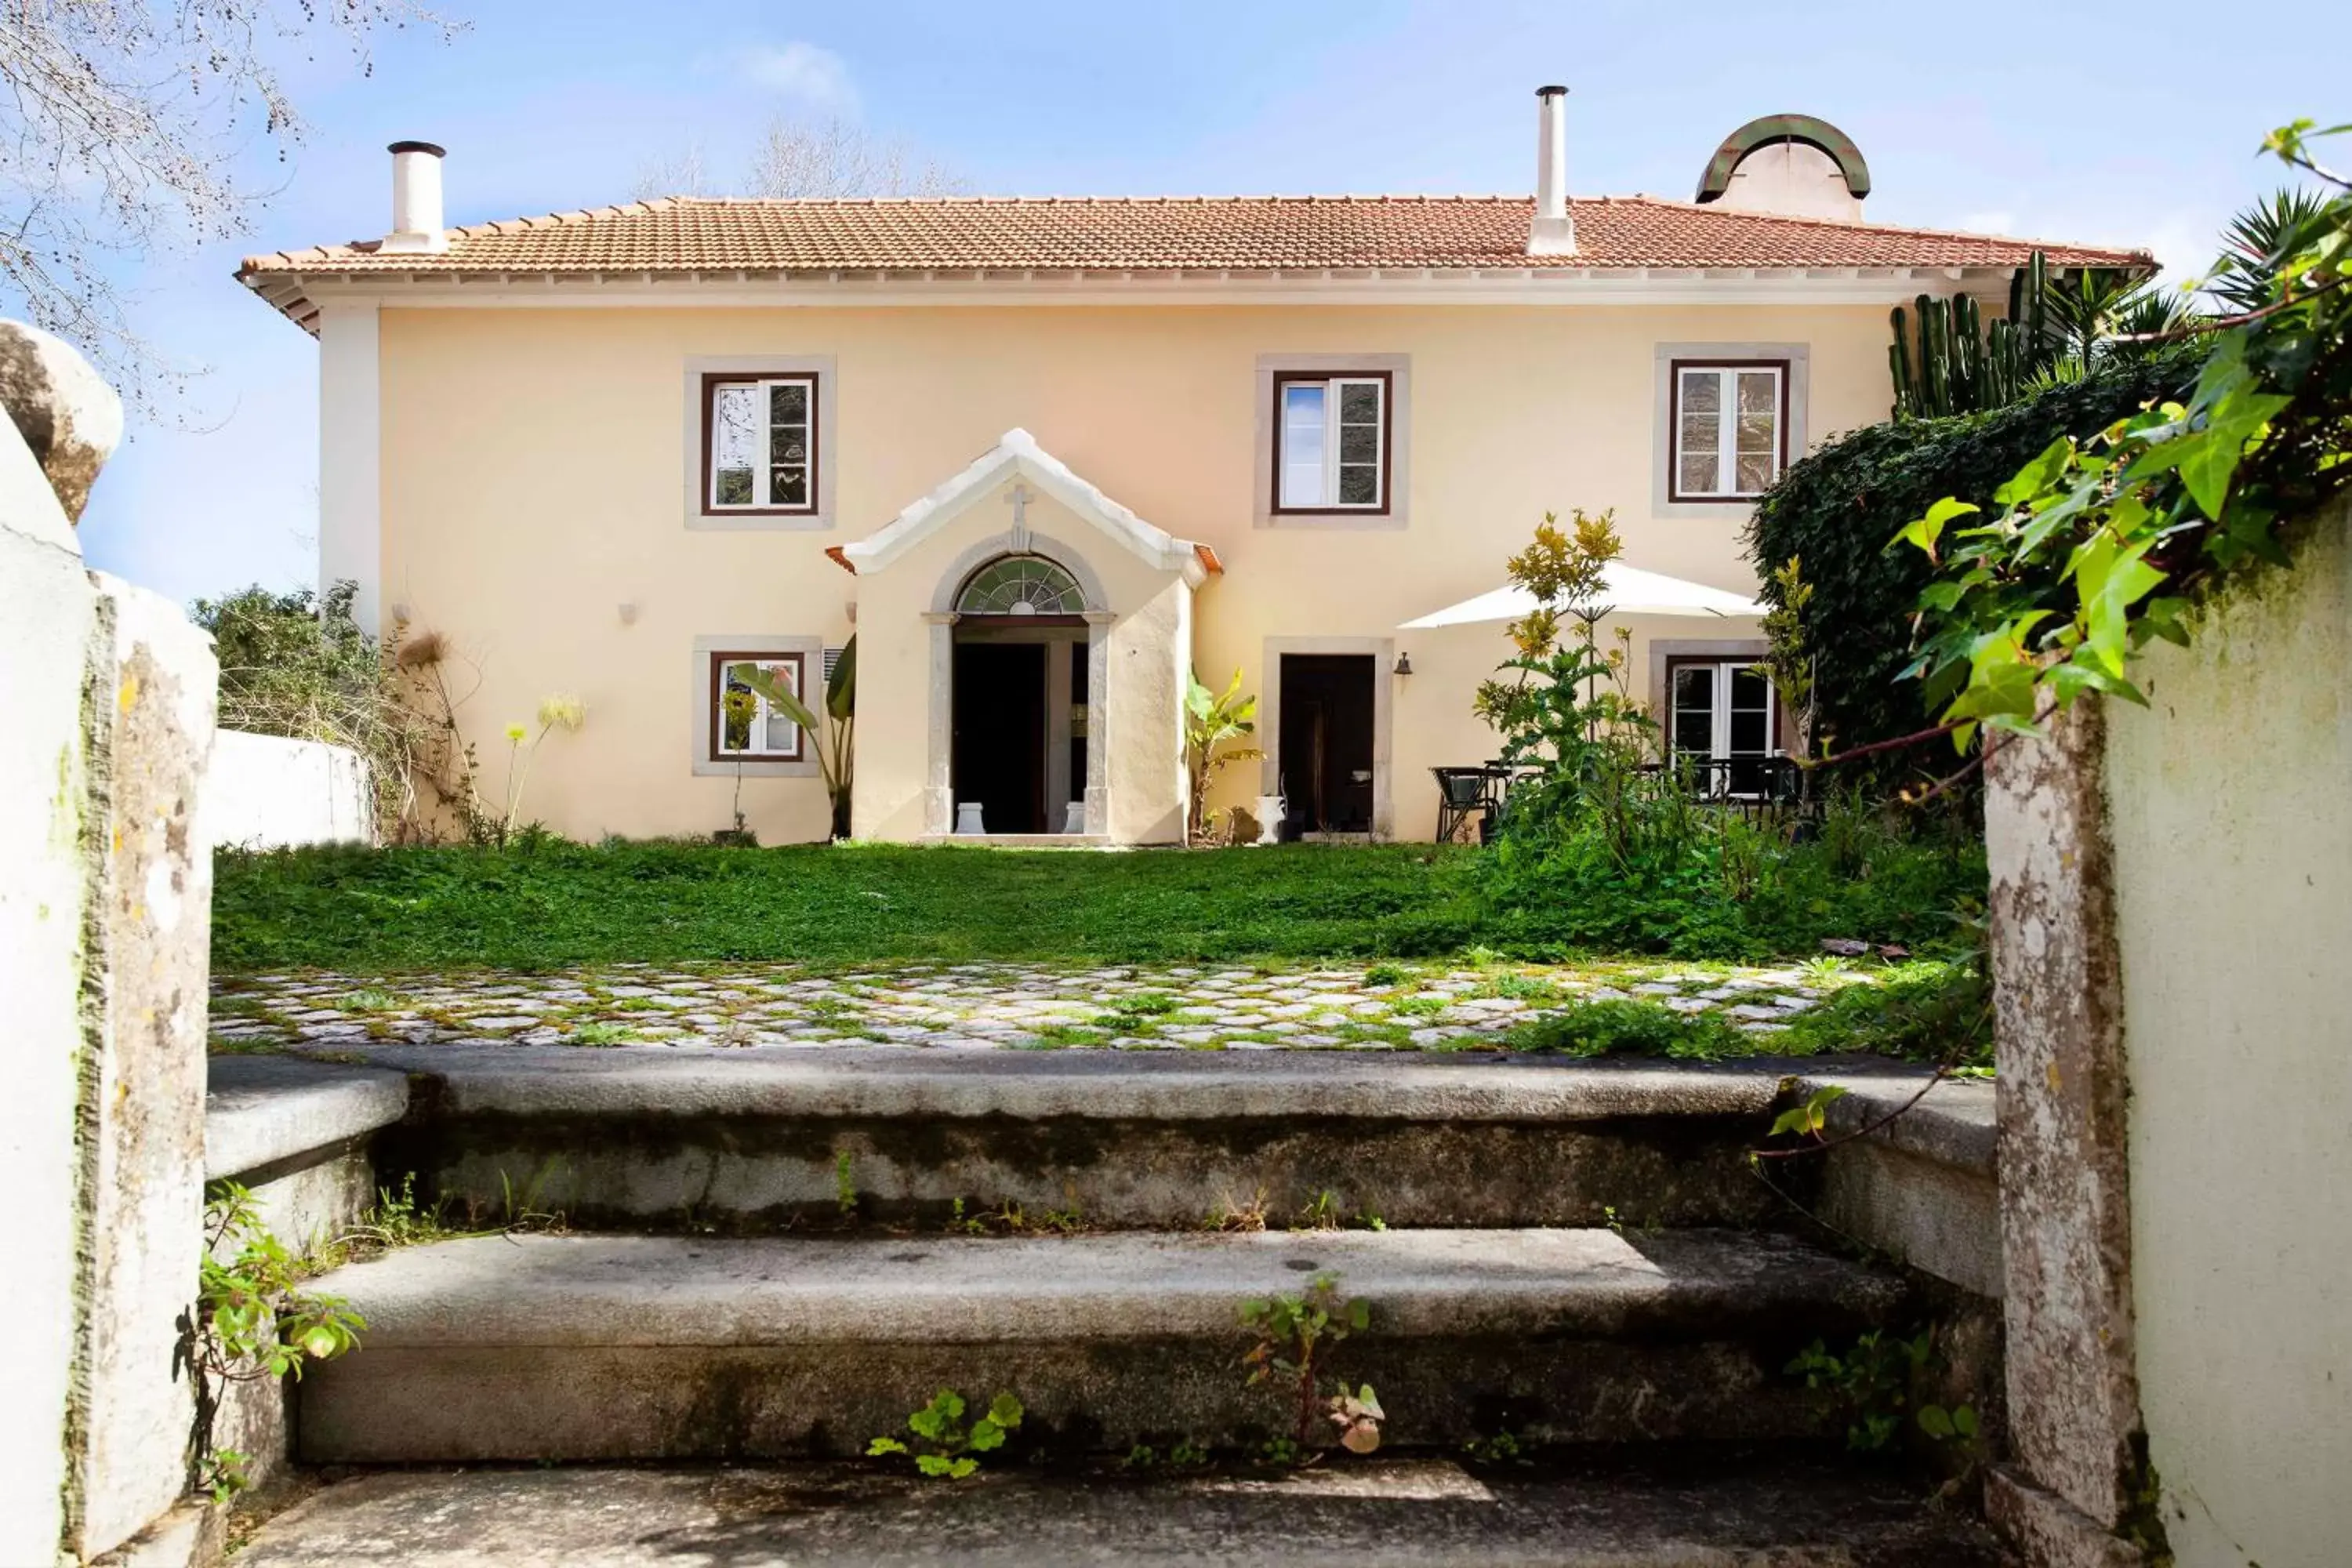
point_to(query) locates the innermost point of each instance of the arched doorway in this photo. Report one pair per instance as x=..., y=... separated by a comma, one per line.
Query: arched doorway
x=1019, y=688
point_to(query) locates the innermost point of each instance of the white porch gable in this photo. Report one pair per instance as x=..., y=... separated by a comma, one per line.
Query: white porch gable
x=1017, y=455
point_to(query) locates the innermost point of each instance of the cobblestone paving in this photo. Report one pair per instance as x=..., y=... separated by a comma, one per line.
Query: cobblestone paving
x=984, y=1006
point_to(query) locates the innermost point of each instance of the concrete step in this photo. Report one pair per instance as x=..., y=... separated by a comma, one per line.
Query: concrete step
x=759, y=1140
x=1731, y=1512
x=608, y=1347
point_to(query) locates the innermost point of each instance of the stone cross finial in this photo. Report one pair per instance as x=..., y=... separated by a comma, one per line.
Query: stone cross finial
x=68, y=416
x=1019, y=498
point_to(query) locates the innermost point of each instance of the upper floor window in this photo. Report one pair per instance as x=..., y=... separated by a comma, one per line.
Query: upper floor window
x=745, y=726
x=1730, y=428
x=759, y=444
x=1331, y=443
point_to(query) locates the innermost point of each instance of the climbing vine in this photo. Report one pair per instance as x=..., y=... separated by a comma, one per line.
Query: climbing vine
x=2099, y=546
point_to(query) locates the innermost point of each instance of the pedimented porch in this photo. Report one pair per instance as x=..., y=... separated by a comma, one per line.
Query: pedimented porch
x=1026, y=644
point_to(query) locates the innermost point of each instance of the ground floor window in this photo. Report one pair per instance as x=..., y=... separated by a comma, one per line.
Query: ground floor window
x=1723, y=719
x=744, y=725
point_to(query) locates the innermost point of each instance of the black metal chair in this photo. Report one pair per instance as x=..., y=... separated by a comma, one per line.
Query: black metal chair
x=1461, y=795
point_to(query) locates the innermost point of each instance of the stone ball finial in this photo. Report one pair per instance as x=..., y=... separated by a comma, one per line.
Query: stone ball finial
x=68, y=415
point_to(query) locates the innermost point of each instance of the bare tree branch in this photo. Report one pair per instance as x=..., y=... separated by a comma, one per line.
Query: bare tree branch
x=829, y=160
x=126, y=127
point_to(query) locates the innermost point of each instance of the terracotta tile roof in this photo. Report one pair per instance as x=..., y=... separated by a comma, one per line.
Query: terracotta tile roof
x=686, y=234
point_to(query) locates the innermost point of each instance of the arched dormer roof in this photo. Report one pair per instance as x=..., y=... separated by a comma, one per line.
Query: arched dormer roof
x=1767, y=130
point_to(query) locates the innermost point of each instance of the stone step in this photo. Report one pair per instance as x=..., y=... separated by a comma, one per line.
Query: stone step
x=609, y=1347
x=759, y=1140
x=1730, y=1510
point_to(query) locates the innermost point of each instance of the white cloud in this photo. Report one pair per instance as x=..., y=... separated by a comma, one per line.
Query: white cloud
x=816, y=81
x=1989, y=222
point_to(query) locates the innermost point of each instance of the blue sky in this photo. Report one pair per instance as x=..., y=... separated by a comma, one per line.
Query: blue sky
x=2025, y=119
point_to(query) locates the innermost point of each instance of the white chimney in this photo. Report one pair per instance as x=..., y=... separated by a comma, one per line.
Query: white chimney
x=415, y=201
x=1553, y=233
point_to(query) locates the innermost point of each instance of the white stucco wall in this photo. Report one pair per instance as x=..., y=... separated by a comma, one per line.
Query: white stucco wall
x=266, y=792
x=2230, y=805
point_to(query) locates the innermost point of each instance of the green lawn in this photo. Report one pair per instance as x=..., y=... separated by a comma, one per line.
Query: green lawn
x=382, y=911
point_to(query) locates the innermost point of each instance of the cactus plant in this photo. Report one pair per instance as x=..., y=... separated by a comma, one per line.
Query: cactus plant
x=1964, y=362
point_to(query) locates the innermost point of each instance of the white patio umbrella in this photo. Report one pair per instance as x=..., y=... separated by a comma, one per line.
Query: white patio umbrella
x=1628, y=591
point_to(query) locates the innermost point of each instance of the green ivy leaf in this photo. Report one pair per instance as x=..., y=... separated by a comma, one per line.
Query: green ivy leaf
x=936, y=1463
x=2111, y=580
x=986, y=1435
x=881, y=1445
x=1005, y=1411
x=2035, y=477
x=1924, y=531
x=1935, y=1421
x=1964, y=1421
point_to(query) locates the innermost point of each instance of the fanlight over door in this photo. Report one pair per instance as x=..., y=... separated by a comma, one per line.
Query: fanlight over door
x=1021, y=585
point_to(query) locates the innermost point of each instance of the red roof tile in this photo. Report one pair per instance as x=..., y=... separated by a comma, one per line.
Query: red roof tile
x=1172, y=232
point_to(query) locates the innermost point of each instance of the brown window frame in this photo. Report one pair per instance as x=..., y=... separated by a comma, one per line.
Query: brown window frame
x=712, y=381
x=716, y=689
x=1388, y=443
x=1676, y=494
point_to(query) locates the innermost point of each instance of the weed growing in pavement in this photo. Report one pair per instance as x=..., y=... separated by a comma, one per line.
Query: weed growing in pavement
x=948, y=1448
x=1320, y=1212
x=1874, y=1379
x=1183, y=1455
x=1238, y=1216
x=252, y=1322
x=845, y=1187
x=1295, y=1336
x=1502, y=1448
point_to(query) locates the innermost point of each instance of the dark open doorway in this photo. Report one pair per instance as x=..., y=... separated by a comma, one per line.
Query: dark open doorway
x=1326, y=741
x=998, y=757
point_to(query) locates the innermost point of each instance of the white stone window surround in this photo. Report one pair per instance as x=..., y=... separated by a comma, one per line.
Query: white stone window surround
x=1269, y=715
x=1397, y=485
x=1794, y=433
x=755, y=367
x=706, y=713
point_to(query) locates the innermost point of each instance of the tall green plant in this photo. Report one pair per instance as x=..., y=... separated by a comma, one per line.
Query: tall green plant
x=1212, y=721
x=1963, y=362
x=1563, y=707
x=834, y=736
x=2060, y=326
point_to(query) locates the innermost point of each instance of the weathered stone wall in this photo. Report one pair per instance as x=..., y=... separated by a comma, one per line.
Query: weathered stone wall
x=2230, y=808
x=105, y=924
x=46, y=614
x=2065, y=1190
x=146, y=964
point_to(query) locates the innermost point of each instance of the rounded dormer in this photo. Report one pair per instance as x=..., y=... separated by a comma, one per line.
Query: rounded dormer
x=1791, y=164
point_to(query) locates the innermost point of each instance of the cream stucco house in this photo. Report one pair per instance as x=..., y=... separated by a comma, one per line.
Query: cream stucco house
x=1042, y=457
